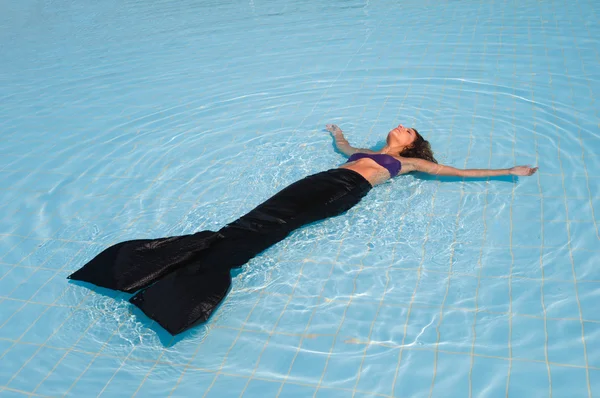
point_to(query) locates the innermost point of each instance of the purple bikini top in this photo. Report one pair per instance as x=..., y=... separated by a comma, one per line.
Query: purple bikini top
x=392, y=164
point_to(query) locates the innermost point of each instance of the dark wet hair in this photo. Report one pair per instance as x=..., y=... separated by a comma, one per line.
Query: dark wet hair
x=420, y=148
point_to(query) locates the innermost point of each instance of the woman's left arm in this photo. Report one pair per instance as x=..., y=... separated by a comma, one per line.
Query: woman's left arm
x=428, y=167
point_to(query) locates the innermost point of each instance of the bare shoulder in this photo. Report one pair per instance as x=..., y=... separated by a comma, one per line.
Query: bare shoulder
x=408, y=164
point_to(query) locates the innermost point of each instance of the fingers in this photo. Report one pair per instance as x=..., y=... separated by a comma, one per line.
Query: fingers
x=532, y=171
x=333, y=129
x=527, y=170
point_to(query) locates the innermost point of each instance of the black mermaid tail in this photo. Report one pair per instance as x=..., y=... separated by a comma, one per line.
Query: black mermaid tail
x=135, y=264
x=184, y=278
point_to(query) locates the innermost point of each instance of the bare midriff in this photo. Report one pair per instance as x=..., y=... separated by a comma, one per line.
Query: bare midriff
x=369, y=169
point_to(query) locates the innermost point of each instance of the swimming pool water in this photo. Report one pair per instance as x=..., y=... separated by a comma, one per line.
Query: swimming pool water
x=134, y=119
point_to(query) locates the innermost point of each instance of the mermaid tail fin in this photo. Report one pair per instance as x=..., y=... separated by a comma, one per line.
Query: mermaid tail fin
x=185, y=297
x=132, y=265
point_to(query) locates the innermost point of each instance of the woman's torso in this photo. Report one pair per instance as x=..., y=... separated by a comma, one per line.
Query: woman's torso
x=371, y=170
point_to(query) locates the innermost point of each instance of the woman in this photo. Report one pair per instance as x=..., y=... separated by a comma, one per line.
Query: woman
x=181, y=280
x=406, y=151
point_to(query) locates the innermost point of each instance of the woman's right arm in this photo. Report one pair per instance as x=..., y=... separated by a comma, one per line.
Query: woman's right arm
x=342, y=143
x=412, y=164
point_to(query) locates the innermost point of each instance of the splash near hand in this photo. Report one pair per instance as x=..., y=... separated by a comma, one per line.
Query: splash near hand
x=523, y=170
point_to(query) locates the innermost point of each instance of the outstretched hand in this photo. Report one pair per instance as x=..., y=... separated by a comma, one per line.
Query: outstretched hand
x=523, y=170
x=333, y=129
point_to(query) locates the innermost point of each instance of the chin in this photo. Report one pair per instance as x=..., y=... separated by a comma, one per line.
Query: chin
x=394, y=137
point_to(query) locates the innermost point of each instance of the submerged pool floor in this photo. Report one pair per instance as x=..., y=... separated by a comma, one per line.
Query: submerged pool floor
x=123, y=120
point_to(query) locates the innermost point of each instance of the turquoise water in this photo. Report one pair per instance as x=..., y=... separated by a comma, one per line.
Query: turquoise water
x=135, y=119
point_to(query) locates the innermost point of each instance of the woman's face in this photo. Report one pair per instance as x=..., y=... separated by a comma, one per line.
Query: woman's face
x=401, y=136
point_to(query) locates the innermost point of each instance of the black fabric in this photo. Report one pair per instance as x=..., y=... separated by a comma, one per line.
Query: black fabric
x=185, y=278
x=135, y=264
x=178, y=302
